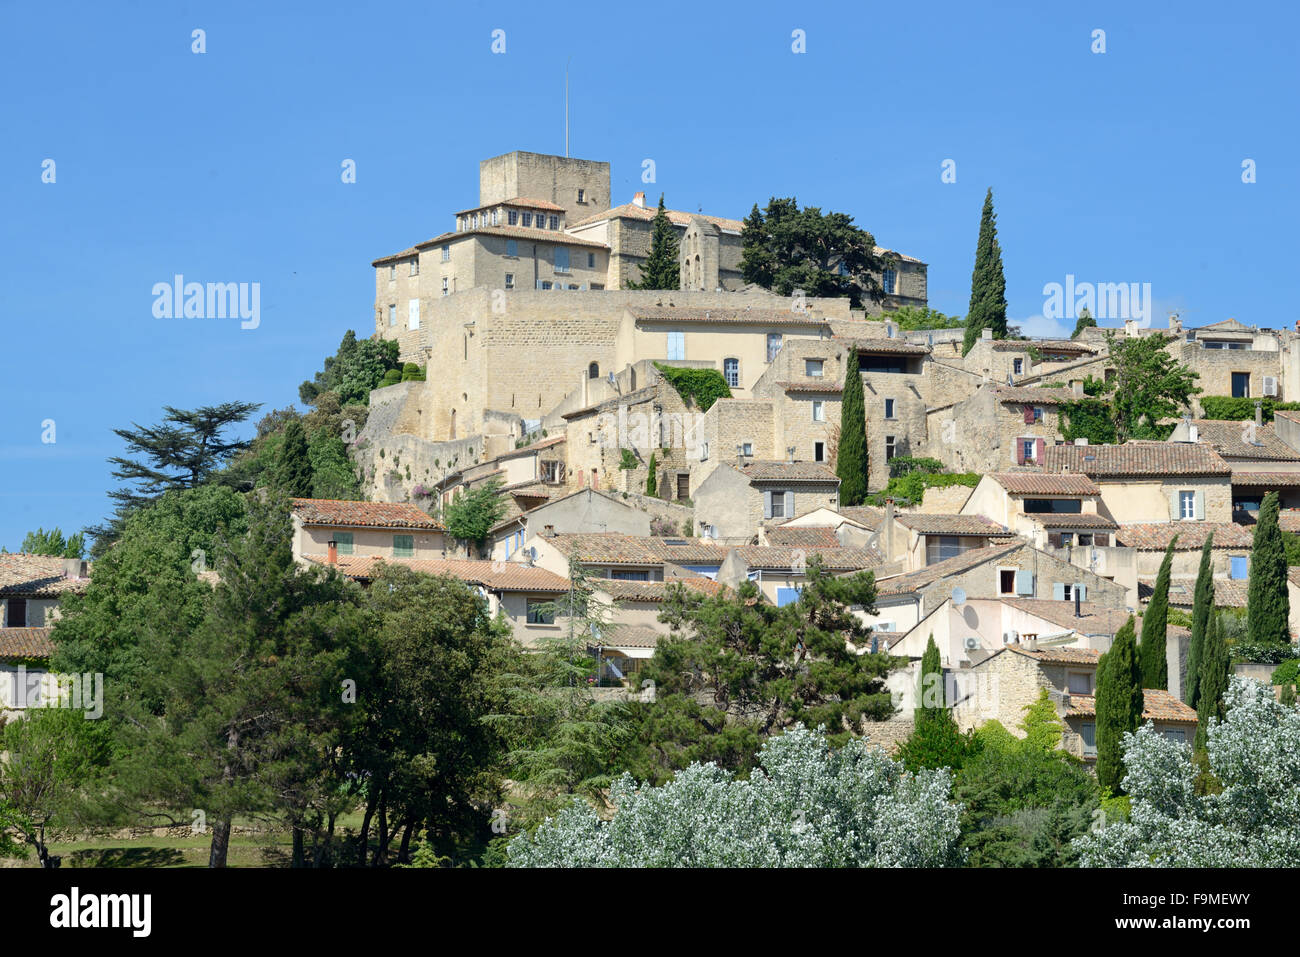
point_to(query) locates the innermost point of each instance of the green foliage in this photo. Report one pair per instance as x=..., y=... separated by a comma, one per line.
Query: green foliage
x=1149, y=387
x=785, y=248
x=912, y=318
x=1085, y=321
x=1155, y=626
x=391, y=377
x=1215, y=667
x=411, y=372
x=851, y=457
x=988, y=287
x=905, y=465
x=910, y=489
x=1239, y=409
x=662, y=268
x=701, y=386
x=937, y=744
x=1088, y=419
x=53, y=542
x=1202, y=610
x=333, y=474
x=627, y=460
x=355, y=369
x=652, y=478
x=470, y=515
x=293, y=471
x=1268, y=607
x=932, y=701
x=1119, y=705
x=1041, y=725
x=1286, y=673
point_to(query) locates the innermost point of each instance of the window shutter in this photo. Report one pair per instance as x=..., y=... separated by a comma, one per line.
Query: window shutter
x=789, y=504
x=767, y=504
x=413, y=309
x=1024, y=582
x=1058, y=591
x=1054, y=539
x=1020, y=452
x=1029, y=415
x=1083, y=592
x=1200, y=504
x=1175, y=512
x=1039, y=447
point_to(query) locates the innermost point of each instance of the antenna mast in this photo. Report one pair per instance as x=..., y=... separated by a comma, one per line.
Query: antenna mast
x=566, y=107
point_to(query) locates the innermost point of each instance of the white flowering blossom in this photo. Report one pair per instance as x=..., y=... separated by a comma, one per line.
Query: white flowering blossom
x=1255, y=822
x=807, y=806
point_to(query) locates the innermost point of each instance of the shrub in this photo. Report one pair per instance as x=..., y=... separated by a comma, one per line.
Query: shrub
x=391, y=377
x=701, y=386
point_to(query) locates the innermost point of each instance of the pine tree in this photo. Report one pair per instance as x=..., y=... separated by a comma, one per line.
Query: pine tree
x=1267, y=604
x=662, y=269
x=293, y=474
x=1155, y=623
x=1119, y=705
x=1215, y=665
x=651, y=479
x=1202, y=609
x=988, y=290
x=851, y=456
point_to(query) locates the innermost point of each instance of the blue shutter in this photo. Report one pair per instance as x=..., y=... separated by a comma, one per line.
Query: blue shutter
x=767, y=504
x=1058, y=591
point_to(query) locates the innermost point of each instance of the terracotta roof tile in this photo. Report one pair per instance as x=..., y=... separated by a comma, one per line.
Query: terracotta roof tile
x=1244, y=440
x=1157, y=705
x=802, y=536
x=880, y=345
x=921, y=578
x=1155, y=536
x=865, y=515
x=496, y=576
x=521, y=201
x=926, y=523
x=629, y=636
x=1264, y=479
x=328, y=511
x=1228, y=592
x=37, y=575
x=558, y=237
x=647, y=214
x=1043, y=345
x=620, y=590
x=1025, y=395
x=26, y=643
x=769, y=557
x=1058, y=655
x=1135, y=458
x=1046, y=483
x=1095, y=619
x=608, y=548
x=1071, y=520
x=812, y=385
x=772, y=471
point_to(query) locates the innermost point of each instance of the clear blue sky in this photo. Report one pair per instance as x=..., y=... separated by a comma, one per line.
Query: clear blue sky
x=1115, y=167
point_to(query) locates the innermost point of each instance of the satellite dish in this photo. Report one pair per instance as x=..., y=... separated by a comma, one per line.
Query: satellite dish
x=959, y=596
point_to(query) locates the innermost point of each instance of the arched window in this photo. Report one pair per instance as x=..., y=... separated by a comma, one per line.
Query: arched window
x=593, y=371
x=731, y=370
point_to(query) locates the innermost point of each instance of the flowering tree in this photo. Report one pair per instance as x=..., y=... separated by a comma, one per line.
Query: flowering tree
x=807, y=806
x=1254, y=822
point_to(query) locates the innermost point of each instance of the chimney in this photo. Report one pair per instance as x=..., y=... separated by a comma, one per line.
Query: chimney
x=548, y=531
x=740, y=456
x=74, y=568
x=333, y=555
x=1175, y=324
x=986, y=334
x=1130, y=327
x=1259, y=413
x=638, y=199
x=1077, y=612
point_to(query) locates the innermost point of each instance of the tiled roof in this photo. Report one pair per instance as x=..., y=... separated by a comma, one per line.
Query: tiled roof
x=1244, y=440
x=1071, y=520
x=607, y=548
x=1043, y=345
x=812, y=385
x=765, y=471
x=671, y=313
x=1288, y=414
x=1058, y=656
x=329, y=511
x=629, y=636
x=496, y=576
x=1094, y=619
x=647, y=214
x=780, y=558
x=1157, y=705
x=921, y=578
x=535, y=447
x=653, y=591
x=1046, y=483
x=803, y=536
x=689, y=551
x=404, y=254
x=26, y=643
x=521, y=201
x=1264, y=479
x=514, y=232
x=1155, y=536
x=1136, y=458
x=1033, y=396
x=865, y=515
x=938, y=524
x=1228, y=592
x=37, y=575
x=882, y=345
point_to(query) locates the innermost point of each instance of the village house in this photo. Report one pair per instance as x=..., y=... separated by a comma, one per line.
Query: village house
x=584, y=510
x=997, y=427
x=780, y=573
x=31, y=588
x=732, y=503
x=365, y=529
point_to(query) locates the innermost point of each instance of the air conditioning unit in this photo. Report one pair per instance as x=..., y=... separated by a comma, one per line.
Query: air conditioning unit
x=1010, y=637
x=972, y=643
x=1270, y=385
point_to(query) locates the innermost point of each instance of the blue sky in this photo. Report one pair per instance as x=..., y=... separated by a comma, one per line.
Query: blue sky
x=1124, y=166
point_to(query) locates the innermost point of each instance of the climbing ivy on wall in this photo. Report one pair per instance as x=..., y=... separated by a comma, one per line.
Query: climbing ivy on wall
x=704, y=386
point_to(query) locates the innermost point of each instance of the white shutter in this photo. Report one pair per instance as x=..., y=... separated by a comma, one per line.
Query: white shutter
x=413, y=314
x=767, y=504
x=789, y=504
x=1200, y=505
x=1083, y=592
x=1175, y=506
x=1270, y=385
x=1058, y=591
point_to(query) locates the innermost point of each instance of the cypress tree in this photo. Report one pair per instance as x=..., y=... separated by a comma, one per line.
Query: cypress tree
x=851, y=457
x=1155, y=624
x=1202, y=609
x=1119, y=705
x=293, y=473
x=988, y=287
x=1085, y=321
x=1267, y=604
x=651, y=482
x=1215, y=665
x=662, y=269
x=932, y=704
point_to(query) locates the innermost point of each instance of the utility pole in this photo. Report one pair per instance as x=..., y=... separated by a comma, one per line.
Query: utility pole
x=566, y=106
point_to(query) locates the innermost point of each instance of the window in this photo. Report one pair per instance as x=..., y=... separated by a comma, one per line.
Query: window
x=886, y=363
x=527, y=219
x=1176, y=735
x=786, y=596
x=778, y=504
x=819, y=410
x=683, y=485
x=627, y=575
x=773, y=345
x=512, y=248
x=546, y=284
x=553, y=472
x=1006, y=581
x=1241, y=385
x=446, y=286
x=819, y=451
x=496, y=216
x=1018, y=366
x=1071, y=506
x=1079, y=682
x=1187, y=505
x=413, y=314
x=512, y=217
x=1085, y=539
x=593, y=370
x=510, y=280
x=17, y=617
x=392, y=313
x=392, y=272
x=446, y=254
x=561, y=258
x=1237, y=567
x=889, y=408
x=938, y=548
x=555, y=222
x=747, y=449
x=891, y=447
x=676, y=345
x=814, y=368
x=540, y=613
x=887, y=280
x=582, y=195
x=1027, y=446
x=344, y=540
x=415, y=267
x=1038, y=413
x=731, y=371
x=1088, y=731
x=591, y=260
x=704, y=451
x=403, y=546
